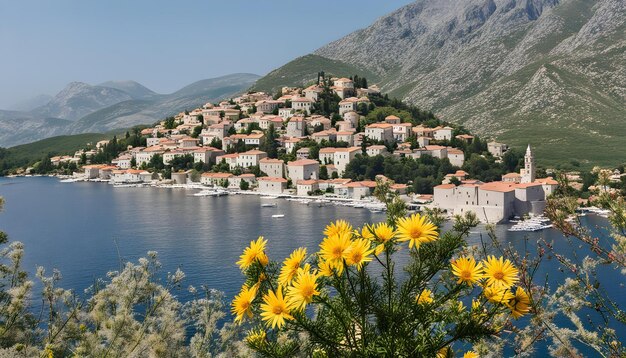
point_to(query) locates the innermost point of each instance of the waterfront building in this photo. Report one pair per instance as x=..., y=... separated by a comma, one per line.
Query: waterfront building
x=269, y=185
x=303, y=169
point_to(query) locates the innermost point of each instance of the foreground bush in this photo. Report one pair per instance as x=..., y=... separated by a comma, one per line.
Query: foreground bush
x=351, y=298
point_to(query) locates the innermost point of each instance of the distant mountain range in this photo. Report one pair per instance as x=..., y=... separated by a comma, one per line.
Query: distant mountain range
x=551, y=73
x=84, y=108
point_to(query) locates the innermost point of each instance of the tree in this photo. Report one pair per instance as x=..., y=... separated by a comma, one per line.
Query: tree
x=512, y=160
x=45, y=165
x=244, y=185
x=323, y=172
x=269, y=144
x=196, y=131
x=133, y=162
x=156, y=162
x=216, y=143
x=83, y=157
x=170, y=123
x=194, y=176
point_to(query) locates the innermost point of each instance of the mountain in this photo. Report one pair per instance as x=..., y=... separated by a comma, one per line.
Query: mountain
x=129, y=113
x=546, y=72
x=22, y=127
x=134, y=89
x=78, y=99
x=83, y=108
x=31, y=103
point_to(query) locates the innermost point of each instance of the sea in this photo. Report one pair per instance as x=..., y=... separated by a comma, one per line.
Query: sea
x=86, y=229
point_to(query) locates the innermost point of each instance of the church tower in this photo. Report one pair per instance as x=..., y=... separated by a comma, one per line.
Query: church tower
x=528, y=175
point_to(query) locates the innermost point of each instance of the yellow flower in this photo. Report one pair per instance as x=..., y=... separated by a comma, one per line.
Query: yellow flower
x=256, y=337
x=499, y=272
x=367, y=232
x=444, y=352
x=460, y=307
x=475, y=304
x=470, y=354
x=291, y=266
x=383, y=234
x=325, y=268
x=242, y=303
x=467, y=270
x=416, y=230
x=359, y=252
x=275, y=309
x=252, y=253
x=334, y=249
x=303, y=289
x=425, y=297
x=497, y=294
x=519, y=304
x=337, y=228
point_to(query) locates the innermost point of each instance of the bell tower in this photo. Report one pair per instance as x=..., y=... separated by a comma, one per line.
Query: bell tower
x=528, y=176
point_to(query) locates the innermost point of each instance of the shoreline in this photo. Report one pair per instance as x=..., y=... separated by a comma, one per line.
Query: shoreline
x=373, y=205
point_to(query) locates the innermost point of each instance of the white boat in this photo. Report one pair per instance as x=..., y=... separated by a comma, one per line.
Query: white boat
x=276, y=216
x=375, y=208
x=68, y=180
x=268, y=205
x=535, y=223
x=211, y=192
x=269, y=197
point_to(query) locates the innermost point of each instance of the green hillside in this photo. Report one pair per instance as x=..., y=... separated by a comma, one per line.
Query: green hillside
x=304, y=69
x=25, y=154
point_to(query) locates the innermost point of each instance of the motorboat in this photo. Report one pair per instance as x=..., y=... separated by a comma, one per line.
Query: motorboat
x=278, y=216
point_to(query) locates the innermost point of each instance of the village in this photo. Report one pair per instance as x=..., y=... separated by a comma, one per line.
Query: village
x=316, y=151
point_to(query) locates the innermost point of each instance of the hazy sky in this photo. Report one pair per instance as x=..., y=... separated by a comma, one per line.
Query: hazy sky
x=163, y=45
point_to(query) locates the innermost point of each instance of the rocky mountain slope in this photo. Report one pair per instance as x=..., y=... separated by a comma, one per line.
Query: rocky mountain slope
x=83, y=108
x=136, y=90
x=546, y=72
x=78, y=99
x=128, y=113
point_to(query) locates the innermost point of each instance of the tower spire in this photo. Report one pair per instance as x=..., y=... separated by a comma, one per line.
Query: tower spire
x=529, y=166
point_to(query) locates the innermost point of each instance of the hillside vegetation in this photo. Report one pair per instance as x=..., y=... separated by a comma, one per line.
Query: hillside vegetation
x=303, y=70
x=549, y=73
x=26, y=154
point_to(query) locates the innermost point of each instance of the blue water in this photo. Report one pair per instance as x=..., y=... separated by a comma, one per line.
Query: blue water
x=88, y=229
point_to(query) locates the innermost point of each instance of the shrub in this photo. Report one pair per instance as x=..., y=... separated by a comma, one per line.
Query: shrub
x=351, y=298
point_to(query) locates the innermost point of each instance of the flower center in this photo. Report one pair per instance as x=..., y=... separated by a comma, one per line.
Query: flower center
x=498, y=275
x=245, y=305
x=415, y=233
x=356, y=257
x=337, y=251
x=277, y=310
x=466, y=274
x=307, y=291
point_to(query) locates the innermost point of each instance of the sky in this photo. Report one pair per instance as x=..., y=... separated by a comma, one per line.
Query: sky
x=163, y=45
